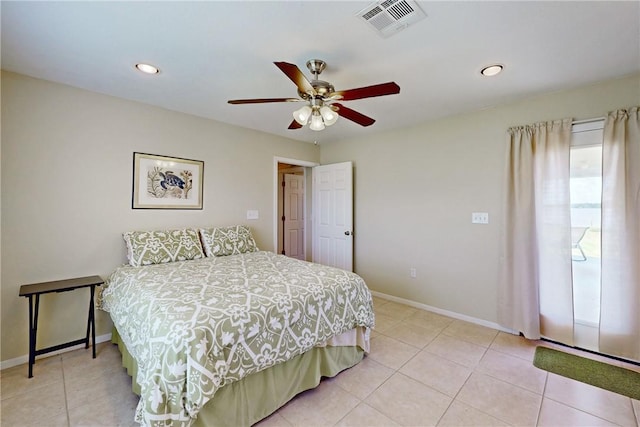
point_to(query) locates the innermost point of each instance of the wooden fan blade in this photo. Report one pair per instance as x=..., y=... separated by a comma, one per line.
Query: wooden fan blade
x=296, y=76
x=353, y=115
x=260, y=101
x=390, y=88
x=294, y=125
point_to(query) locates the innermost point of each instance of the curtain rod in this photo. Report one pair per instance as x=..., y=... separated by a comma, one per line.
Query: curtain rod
x=579, y=122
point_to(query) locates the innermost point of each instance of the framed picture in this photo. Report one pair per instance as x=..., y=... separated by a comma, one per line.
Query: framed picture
x=161, y=182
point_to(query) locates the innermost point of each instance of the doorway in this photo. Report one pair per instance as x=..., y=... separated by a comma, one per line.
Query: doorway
x=292, y=211
x=292, y=207
x=330, y=242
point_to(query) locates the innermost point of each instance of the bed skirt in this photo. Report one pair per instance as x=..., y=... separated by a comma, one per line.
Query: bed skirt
x=258, y=395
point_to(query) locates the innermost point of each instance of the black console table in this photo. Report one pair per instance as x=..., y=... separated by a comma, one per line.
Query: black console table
x=38, y=289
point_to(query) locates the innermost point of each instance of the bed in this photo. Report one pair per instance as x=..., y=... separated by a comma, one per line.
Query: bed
x=227, y=339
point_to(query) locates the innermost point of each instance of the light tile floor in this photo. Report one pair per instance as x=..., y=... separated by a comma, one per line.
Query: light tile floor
x=424, y=369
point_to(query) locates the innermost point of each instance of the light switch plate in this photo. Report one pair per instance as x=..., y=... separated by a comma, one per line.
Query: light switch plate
x=253, y=214
x=480, y=218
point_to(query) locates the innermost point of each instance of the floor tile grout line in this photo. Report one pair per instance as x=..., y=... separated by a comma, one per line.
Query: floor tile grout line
x=489, y=374
x=409, y=344
x=581, y=410
x=64, y=387
x=398, y=371
x=498, y=417
x=544, y=390
x=502, y=380
x=441, y=332
x=634, y=410
x=475, y=371
x=467, y=341
x=455, y=399
x=352, y=409
x=511, y=354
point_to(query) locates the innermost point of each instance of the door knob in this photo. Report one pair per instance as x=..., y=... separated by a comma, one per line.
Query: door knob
x=347, y=233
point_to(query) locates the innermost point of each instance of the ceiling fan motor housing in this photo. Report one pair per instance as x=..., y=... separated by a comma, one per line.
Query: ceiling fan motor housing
x=322, y=88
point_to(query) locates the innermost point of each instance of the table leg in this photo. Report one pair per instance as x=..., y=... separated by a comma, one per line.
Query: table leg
x=33, y=328
x=91, y=324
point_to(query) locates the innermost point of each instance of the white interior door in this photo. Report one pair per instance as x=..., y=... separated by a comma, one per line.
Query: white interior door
x=333, y=215
x=294, y=216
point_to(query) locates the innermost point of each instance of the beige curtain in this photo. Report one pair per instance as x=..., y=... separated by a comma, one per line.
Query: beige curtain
x=620, y=292
x=536, y=240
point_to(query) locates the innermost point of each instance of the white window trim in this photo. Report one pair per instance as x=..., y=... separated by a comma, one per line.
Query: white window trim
x=590, y=125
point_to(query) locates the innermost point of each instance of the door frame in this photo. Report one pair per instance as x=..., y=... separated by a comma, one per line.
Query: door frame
x=307, y=210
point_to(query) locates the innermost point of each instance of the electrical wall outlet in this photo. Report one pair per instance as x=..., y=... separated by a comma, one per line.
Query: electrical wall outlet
x=480, y=218
x=253, y=214
x=412, y=273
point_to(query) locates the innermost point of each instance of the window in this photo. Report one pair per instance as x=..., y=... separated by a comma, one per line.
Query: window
x=586, y=195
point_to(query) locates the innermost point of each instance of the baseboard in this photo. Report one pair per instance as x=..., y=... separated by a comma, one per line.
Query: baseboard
x=447, y=313
x=5, y=364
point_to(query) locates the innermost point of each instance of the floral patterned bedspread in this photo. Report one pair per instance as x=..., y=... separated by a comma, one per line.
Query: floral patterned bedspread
x=194, y=326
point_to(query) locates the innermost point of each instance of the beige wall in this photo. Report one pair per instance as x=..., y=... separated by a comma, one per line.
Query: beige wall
x=66, y=191
x=415, y=190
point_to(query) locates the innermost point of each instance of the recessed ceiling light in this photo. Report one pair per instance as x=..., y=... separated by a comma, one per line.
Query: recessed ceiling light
x=491, y=70
x=147, y=68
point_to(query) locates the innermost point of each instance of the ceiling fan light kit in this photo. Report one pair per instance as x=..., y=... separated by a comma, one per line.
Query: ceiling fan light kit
x=319, y=117
x=328, y=115
x=302, y=115
x=316, y=122
x=321, y=109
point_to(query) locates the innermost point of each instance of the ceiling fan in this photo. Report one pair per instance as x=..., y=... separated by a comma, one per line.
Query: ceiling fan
x=322, y=109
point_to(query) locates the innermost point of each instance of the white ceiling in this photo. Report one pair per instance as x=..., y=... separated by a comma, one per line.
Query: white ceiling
x=210, y=52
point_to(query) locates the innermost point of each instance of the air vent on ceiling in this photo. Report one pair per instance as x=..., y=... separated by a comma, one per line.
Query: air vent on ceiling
x=391, y=16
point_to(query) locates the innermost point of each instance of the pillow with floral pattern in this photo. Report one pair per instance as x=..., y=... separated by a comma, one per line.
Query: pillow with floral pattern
x=162, y=246
x=222, y=241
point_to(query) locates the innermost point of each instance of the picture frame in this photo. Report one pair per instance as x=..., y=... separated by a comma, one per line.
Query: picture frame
x=164, y=182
